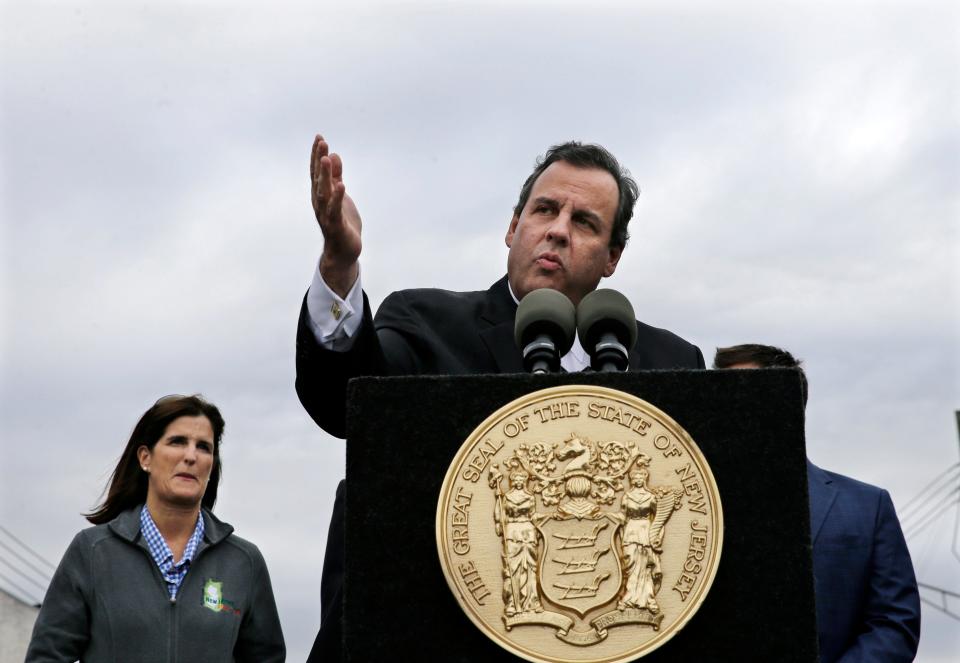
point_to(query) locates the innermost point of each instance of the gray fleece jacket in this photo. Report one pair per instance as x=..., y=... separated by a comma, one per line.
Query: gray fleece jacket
x=107, y=602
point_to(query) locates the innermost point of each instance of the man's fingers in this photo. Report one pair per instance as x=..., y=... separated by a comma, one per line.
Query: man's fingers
x=320, y=149
x=325, y=181
x=326, y=187
x=336, y=198
x=322, y=187
x=328, y=192
x=336, y=167
x=330, y=187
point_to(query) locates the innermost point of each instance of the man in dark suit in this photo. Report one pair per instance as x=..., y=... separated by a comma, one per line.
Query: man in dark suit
x=568, y=230
x=868, y=605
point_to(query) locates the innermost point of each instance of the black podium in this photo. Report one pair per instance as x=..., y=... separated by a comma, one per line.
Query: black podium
x=402, y=434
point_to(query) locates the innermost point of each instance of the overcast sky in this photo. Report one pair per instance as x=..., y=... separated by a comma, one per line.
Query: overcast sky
x=799, y=166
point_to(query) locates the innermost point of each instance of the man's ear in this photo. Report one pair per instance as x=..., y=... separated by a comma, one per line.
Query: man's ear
x=511, y=229
x=614, y=258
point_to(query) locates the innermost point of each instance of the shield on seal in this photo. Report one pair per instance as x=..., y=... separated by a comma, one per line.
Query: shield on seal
x=580, y=566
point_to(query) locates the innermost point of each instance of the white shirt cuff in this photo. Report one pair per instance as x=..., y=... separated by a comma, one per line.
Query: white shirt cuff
x=334, y=321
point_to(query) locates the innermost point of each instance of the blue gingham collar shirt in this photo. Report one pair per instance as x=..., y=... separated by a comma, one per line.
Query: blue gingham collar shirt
x=173, y=573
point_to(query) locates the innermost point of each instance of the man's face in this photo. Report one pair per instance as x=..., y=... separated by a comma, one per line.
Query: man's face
x=561, y=239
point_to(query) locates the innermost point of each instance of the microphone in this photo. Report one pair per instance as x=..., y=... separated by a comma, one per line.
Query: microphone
x=544, y=329
x=608, y=329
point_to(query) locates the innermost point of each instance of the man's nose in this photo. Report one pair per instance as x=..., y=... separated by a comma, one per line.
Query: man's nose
x=559, y=229
x=190, y=454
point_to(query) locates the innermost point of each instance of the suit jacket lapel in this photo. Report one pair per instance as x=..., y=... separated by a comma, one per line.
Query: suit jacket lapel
x=822, y=495
x=497, y=315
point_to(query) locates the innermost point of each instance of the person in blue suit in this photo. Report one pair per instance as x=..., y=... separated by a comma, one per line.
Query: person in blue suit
x=868, y=605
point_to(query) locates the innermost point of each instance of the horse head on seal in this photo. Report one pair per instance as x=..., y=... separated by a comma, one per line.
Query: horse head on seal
x=575, y=448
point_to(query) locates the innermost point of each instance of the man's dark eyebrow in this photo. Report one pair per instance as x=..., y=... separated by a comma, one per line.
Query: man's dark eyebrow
x=543, y=200
x=581, y=213
x=588, y=214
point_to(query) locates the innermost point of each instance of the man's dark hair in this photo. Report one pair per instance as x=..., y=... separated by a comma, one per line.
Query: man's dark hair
x=764, y=356
x=590, y=156
x=127, y=487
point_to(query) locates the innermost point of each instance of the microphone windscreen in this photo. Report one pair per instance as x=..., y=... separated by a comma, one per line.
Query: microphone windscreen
x=546, y=311
x=606, y=310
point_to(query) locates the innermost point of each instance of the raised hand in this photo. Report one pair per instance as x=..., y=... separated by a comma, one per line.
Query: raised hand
x=338, y=218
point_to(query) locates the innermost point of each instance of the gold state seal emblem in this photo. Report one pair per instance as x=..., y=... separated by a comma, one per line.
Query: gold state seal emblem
x=579, y=523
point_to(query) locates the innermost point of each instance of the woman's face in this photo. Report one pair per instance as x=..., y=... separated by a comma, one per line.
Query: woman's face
x=639, y=477
x=180, y=462
x=518, y=481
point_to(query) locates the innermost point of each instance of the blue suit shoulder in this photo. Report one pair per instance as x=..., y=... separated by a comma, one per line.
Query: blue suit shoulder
x=847, y=484
x=868, y=605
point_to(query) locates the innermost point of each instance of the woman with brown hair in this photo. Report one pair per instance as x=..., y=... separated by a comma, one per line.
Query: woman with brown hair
x=159, y=577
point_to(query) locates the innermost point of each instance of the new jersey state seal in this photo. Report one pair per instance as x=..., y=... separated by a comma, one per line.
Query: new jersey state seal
x=579, y=524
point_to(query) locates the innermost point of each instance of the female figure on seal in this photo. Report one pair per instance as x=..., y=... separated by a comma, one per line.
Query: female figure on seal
x=641, y=552
x=521, y=546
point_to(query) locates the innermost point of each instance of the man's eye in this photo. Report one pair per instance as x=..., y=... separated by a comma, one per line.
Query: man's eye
x=205, y=446
x=541, y=209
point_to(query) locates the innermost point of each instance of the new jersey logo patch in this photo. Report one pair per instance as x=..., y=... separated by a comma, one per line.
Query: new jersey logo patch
x=213, y=595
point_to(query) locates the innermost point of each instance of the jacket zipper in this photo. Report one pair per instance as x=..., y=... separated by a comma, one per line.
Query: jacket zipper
x=172, y=656
x=173, y=630
x=174, y=613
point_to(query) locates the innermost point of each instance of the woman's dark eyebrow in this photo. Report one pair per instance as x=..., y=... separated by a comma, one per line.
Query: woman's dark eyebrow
x=183, y=438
